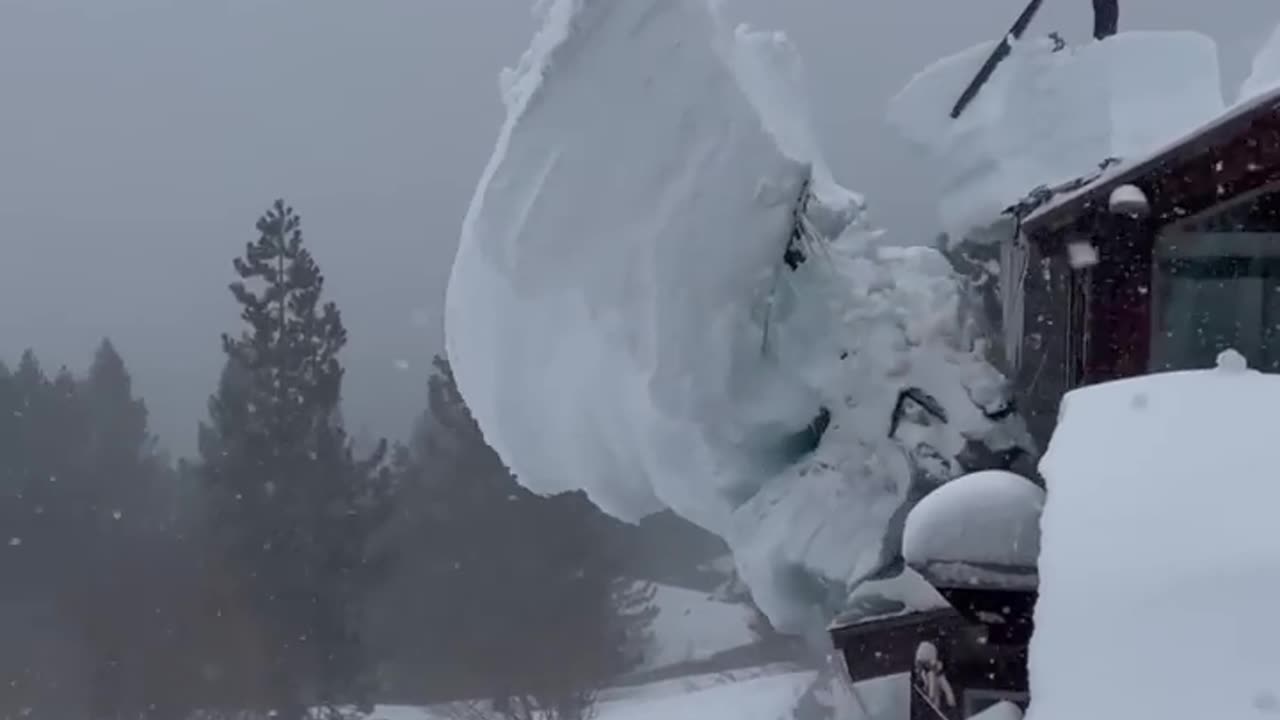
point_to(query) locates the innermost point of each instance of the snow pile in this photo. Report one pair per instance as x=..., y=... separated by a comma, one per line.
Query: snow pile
x=691, y=626
x=902, y=594
x=1047, y=116
x=763, y=695
x=942, y=540
x=1161, y=562
x=1265, y=76
x=621, y=319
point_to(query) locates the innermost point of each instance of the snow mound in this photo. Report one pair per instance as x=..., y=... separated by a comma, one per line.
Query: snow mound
x=941, y=532
x=902, y=594
x=624, y=316
x=763, y=695
x=1050, y=115
x=1160, y=561
x=1265, y=75
x=691, y=626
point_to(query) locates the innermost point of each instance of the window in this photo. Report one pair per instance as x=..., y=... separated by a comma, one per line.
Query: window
x=1217, y=285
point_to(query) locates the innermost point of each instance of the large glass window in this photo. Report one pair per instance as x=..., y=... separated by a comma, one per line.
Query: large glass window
x=1217, y=285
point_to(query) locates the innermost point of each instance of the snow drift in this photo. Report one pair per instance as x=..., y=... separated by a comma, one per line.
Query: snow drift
x=662, y=297
x=1051, y=114
x=1160, y=560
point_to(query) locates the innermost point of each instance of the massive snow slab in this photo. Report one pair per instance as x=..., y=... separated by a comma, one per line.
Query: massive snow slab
x=620, y=317
x=1160, y=559
x=1264, y=77
x=1050, y=114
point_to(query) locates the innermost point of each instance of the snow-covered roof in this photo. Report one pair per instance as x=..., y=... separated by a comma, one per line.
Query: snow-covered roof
x=1060, y=205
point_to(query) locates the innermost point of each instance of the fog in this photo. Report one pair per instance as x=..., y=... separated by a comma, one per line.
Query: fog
x=140, y=139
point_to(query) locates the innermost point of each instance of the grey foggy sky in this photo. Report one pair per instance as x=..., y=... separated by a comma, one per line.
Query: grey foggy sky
x=140, y=139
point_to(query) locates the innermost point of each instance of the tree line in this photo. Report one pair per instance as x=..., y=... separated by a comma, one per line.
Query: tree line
x=282, y=572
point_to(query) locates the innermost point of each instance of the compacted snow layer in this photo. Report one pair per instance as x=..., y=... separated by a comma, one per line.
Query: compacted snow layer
x=1160, y=561
x=621, y=320
x=1048, y=116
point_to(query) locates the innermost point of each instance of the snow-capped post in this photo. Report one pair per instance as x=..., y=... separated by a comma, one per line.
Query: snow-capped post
x=1129, y=200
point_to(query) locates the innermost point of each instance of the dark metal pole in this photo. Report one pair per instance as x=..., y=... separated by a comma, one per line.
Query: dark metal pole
x=998, y=56
x=1106, y=18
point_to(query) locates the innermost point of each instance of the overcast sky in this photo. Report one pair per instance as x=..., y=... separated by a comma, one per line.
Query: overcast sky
x=140, y=139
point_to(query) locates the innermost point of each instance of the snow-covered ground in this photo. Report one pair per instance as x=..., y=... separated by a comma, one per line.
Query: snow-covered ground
x=691, y=626
x=763, y=694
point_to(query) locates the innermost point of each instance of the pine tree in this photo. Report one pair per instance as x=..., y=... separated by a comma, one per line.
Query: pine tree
x=516, y=598
x=295, y=509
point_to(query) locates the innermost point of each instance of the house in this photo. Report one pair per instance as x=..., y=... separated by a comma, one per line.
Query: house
x=1181, y=260
x=1150, y=264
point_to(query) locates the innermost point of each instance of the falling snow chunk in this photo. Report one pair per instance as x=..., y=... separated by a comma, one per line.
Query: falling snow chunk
x=116, y=514
x=15, y=541
x=402, y=365
x=1082, y=254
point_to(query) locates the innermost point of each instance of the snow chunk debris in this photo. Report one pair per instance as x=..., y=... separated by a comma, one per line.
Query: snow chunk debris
x=1081, y=254
x=1160, y=562
x=620, y=317
x=988, y=522
x=1047, y=116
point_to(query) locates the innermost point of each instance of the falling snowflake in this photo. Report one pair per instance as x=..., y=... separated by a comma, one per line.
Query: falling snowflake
x=15, y=541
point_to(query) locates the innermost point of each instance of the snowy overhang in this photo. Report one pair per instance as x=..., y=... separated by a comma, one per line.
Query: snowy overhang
x=1235, y=152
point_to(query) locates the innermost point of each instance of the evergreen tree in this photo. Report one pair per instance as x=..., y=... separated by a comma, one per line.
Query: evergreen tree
x=516, y=598
x=294, y=507
x=89, y=569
